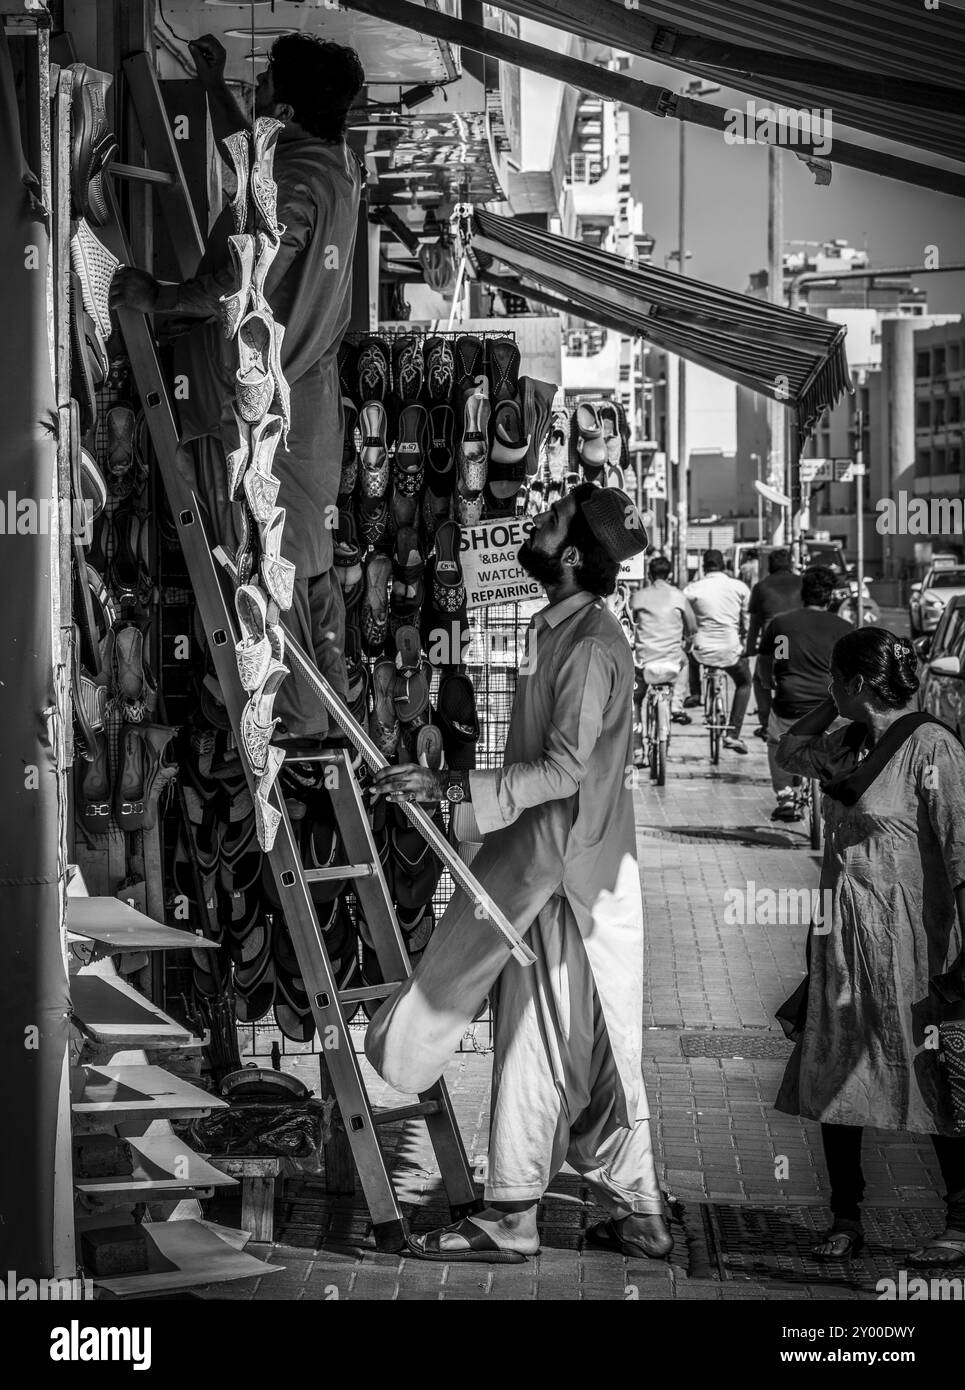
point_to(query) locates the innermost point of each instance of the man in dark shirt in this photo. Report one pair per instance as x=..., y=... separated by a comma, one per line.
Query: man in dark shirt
x=794, y=659
x=309, y=86
x=777, y=593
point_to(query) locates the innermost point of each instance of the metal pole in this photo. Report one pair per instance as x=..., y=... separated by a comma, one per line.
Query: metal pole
x=775, y=293
x=859, y=511
x=683, y=473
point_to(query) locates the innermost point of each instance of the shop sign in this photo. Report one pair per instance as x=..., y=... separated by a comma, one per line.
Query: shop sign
x=491, y=571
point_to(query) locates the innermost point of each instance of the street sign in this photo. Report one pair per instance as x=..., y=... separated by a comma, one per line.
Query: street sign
x=815, y=470
x=844, y=470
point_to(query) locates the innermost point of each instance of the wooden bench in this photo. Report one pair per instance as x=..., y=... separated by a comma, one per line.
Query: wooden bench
x=258, y=1175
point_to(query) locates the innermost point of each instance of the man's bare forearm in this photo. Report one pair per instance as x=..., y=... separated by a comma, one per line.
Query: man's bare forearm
x=226, y=113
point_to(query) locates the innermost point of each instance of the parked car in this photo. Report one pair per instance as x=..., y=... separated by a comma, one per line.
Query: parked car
x=927, y=600
x=942, y=667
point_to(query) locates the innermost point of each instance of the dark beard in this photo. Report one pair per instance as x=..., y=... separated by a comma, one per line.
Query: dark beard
x=545, y=569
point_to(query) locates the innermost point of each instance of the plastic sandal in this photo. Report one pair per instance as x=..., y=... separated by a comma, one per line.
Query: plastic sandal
x=408, y=651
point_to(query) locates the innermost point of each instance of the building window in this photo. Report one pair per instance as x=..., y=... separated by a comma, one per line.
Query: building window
x=923, y=414
x=954, y=409
x=938, y=362
x=922, y=364
x=955, y=357
x=924, y=462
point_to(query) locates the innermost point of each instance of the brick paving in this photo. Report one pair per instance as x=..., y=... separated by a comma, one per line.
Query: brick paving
x=735, y=1163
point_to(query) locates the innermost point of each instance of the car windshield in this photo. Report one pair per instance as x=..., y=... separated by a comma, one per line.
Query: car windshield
x=948, y=579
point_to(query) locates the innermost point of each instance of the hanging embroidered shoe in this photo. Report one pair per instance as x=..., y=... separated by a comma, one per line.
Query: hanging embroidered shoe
x=267, y=250
x=234, y=306
x=268, y=817
x=261, y=485
x=253, y=651
x=277, y=574
x=264, y=191
x=281, y=400
x=238, y=459
x=238, y=145
x=254, y=383
x=247, y=551
x=257, y=723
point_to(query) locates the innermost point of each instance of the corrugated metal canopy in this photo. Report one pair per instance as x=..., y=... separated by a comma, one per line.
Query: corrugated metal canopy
x=788, y=356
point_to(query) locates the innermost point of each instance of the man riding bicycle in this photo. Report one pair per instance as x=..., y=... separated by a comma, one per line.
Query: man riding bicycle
x=663, y=627
x=720, y=605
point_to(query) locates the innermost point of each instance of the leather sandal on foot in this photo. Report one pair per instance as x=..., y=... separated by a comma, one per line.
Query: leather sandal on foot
x=480, y=1247
x=607, y=1236
x=846, y=1236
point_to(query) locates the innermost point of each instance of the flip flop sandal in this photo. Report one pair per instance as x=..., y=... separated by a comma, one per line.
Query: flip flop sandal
x=95, y=266
x=251, y=1005
x=375, y=606
x=283, y=948
x=470, y=362
x=383, y=721
x=417, y=936
x=94, y=800
x=89, y=699
x=429, y=751
x=614, y=476
x=482, y=1249
x=233, y=307
x=241, y=856
x=247, y=937
x=416, y=869
x=264, y=191
x=512, y=503
x=92, y=142
x=605, y=1236
x=473, y=452
x=457, y=718
x=322, y=849
x=408, y=368
x=257, y=723
x=254, y=383
x=440, y=369
x=238, y=146
x=120, y=420
x=339, y=933
x=206, y=984
x=296, y=1025
x=503, y=369
x=408, y=468
x=448, y=589
x=851, y=1236
x=372, y=368
x=158, y=774
x=408, y=651
x=510, y=446
x=919, y=1258
x=373, y=456
x=373, y=519
x=591, y=445
x=412, y=696
x=440, y=454
x=347, y=560
x=277, y=573
x=92, y=493
x=370, y=973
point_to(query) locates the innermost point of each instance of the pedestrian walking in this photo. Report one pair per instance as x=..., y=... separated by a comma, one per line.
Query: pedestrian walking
x=777, y=593
x=887, y=968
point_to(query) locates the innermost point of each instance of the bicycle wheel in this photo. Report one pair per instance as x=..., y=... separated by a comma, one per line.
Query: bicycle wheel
x=663, y=739
x=817, y=825
x=717, y=719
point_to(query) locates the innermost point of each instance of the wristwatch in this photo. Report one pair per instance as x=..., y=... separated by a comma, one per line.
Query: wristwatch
x=457, y=788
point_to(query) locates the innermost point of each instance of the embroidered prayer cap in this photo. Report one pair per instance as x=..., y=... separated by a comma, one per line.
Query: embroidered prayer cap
x=616, y=522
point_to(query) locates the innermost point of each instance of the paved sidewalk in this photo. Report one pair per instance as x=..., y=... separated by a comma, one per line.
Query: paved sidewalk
x=751, y=1180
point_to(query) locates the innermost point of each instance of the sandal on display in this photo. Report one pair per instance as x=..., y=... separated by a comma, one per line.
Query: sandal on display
x=610, y=420
x=435, y=510
x=408, y=368
x=416, y=869
x=468, y=508
x=591, y=445
x=411, y=696
x=281, y=399
x=507, y=455
x=384, y=721
x=94, y=267
x=448, y=589
x=133, y=686
x=473, y=451
x=265, y=252
x=408, y=588
x=503, y=370
x=440, y=455
x=429, y=751
x=357, y=672
x=374, y=454
x=350, y=453
x=408, y=651
x=94, y=801
x=403, y=511
x=254, y=383
x=235, y=306
x=257, y=723
x=238, y=145
x=409, y=465
x=440, y=369
x=277, y=573
x=470, y=363
x=141, y=768
x=92, y=142
x=558, y=444
x=373, y=519
x=375, y=605
x=347, y=560
x=537, y=399
x=264, y=192
x=457, y=718
x=372, y=371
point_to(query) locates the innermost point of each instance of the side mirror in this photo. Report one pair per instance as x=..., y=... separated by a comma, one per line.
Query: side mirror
x=922, y=645
x=945, y=666
x=916, y=588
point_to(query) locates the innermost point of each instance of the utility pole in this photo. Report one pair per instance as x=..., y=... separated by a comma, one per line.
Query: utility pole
x=683, y=475
x=776, y=411
x=859, y=512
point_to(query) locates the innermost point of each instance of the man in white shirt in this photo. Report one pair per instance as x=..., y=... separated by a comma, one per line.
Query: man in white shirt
x=720, y=606
x=663, y=622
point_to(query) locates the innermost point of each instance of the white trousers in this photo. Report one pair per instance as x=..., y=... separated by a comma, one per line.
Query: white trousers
x=556, y=1094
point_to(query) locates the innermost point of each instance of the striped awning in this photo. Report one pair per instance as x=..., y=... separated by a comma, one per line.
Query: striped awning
x=791, y=357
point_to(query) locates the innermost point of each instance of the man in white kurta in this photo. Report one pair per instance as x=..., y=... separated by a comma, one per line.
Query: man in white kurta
x=559, y=857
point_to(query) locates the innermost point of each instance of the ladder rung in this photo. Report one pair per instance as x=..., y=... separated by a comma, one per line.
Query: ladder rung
x=339, y=871
x=355, y=996
x=405, y=1112
x=139, y=173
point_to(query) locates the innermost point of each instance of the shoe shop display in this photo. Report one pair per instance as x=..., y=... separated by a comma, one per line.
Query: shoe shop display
x=408, y=367
x=375, y=604
x=448, y=589
x=92, y=142
x=409, y=463
x=408, y=588
x=94, y=267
